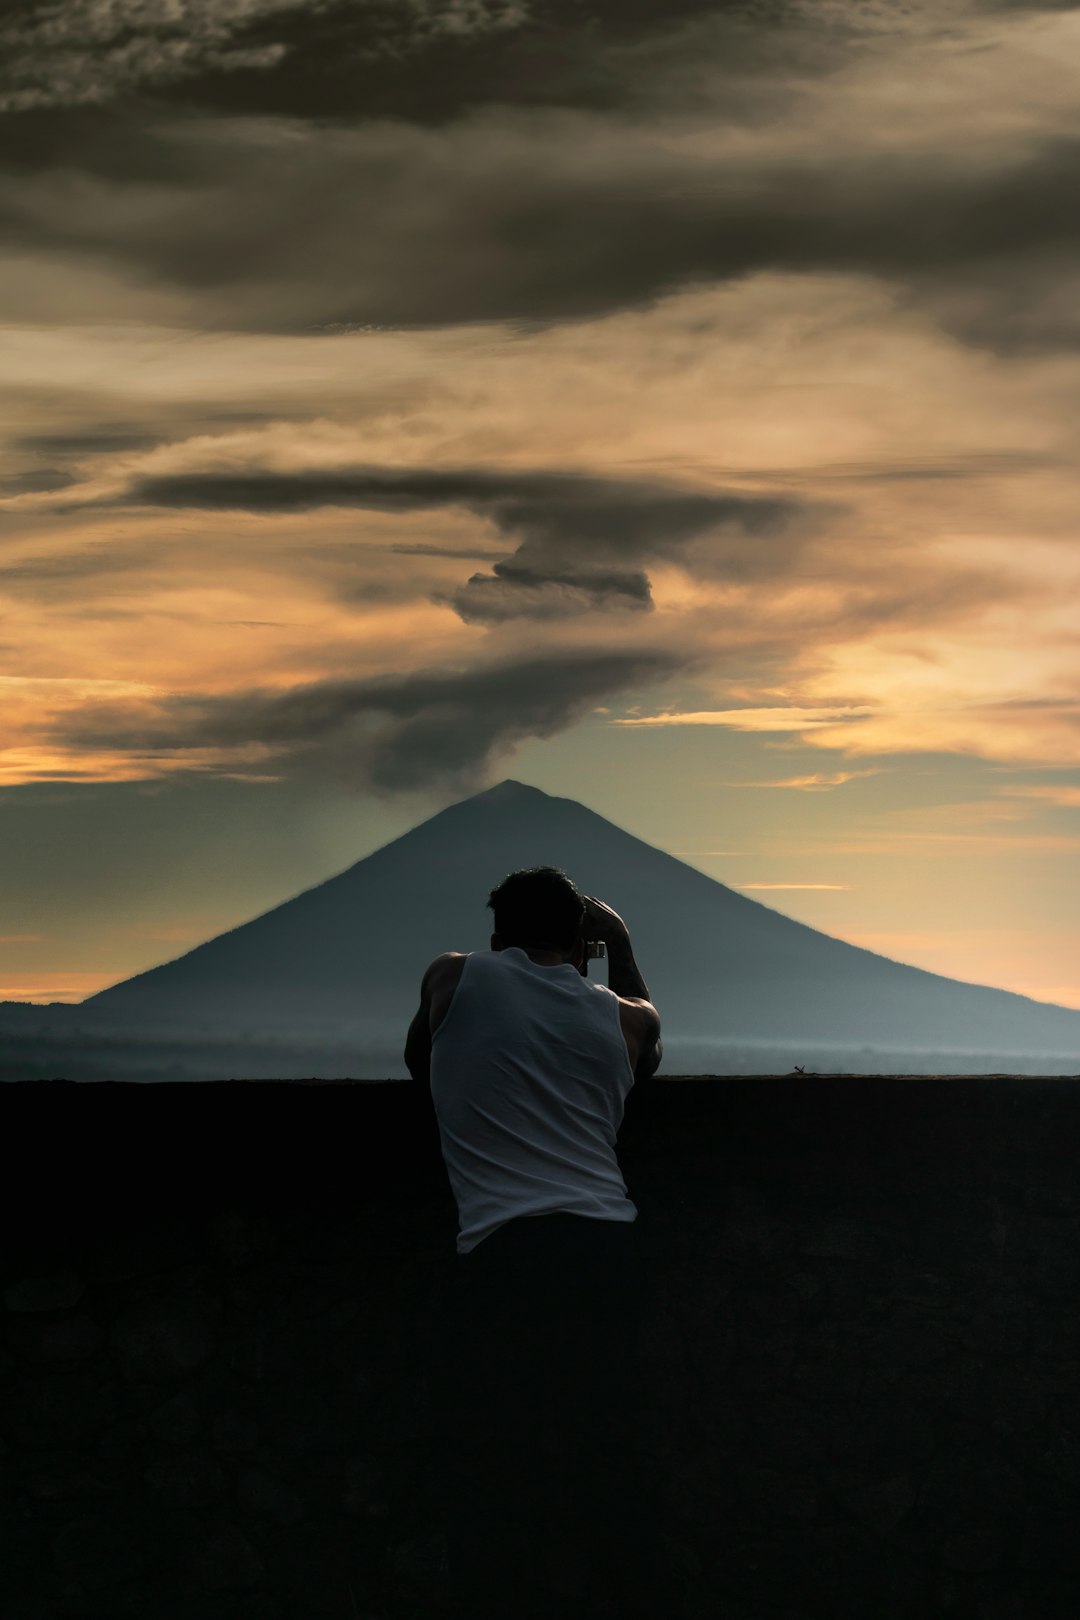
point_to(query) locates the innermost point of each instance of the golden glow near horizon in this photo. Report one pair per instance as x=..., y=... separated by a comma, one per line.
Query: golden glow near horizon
x=858, y=668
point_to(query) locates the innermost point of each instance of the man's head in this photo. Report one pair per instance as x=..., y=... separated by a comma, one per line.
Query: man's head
x=539, y=909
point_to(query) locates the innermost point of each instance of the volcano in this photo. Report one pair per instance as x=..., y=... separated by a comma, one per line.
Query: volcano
x=341, y=963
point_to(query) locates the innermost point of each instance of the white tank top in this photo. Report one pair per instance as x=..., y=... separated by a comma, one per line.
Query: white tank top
x=529, y=1078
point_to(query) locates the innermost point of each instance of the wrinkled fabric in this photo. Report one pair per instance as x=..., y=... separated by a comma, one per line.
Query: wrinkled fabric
x=529, y=1078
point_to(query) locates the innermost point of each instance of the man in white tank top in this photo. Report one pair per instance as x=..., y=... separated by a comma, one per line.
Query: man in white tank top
x=529, y=1066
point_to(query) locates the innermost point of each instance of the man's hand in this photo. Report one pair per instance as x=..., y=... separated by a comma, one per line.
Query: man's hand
x=602, y=922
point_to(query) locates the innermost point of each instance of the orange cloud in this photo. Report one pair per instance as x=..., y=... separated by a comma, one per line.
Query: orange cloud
x=750, y=719
x=52, y=986
x=1027, y=961
x=791, y=885
x=820, y=781
x=1061, y=795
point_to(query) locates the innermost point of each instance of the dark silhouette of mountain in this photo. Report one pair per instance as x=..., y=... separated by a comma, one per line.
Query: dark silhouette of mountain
x=342, y=962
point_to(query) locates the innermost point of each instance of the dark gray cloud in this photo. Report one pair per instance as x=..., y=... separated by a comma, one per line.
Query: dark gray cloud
x=62, y=447
x=581, y=542
x=513, y=590
x=1025, y=305
x=34, y=481
x=954, y=468
x=92, y=442
x=462, y=553
x=390, y=734
x=100, y=64
x=107, y=568
x=545, y=218
x=543, y=195
x=422, y=60
x=64, y=424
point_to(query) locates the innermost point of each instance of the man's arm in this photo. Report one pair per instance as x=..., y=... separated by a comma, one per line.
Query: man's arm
x=418, y=1044
x=625, y=978
x=651, y=1050
x=436, y=990
x=624, y=975
x=641, y=1030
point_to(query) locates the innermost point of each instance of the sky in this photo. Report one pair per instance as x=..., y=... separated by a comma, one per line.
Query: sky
x=673, y=406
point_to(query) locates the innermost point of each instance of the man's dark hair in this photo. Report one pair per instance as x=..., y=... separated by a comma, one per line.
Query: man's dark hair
x=538, y=907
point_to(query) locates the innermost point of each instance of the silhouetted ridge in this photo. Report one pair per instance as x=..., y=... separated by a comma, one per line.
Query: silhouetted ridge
x=344, y=958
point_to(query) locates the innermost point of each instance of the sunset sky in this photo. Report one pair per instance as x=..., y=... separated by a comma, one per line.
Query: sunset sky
x=672, y=405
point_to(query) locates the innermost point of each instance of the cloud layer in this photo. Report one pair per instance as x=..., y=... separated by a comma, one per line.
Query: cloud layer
x=554, y=218
x=586, y=338
x=936, y=152
x=433, y=729
x=580, y=542
x=89, y=52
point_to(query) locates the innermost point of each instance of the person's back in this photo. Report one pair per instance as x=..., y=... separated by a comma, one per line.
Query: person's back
x=529, y=1077
x=529, y=1067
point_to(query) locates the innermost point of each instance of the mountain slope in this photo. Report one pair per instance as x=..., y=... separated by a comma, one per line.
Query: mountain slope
x=345, y=958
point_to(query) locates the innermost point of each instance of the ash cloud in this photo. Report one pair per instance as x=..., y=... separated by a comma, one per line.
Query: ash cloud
x=389, y=734
x=513, y=590
x=582, y=542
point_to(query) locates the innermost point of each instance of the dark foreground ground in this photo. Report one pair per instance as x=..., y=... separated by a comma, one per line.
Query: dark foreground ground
x=862, y=1352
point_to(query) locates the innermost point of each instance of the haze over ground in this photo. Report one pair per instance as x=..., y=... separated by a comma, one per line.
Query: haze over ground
x=673, y=405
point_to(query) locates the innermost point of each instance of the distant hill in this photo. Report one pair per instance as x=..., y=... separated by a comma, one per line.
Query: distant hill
x=341, y=963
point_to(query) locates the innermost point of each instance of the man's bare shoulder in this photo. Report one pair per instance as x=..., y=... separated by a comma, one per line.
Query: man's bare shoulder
x=444, y=968
x=440, y=985
x=441, y=977
x=637, y=1010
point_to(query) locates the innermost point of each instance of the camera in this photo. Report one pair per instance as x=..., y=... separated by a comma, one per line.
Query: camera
x=595, y=950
